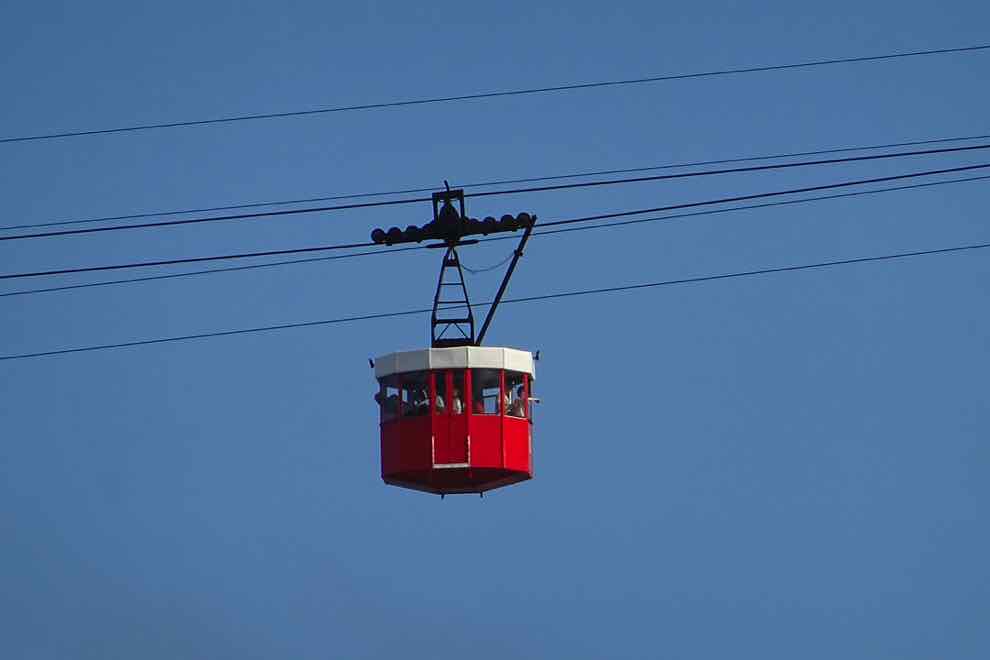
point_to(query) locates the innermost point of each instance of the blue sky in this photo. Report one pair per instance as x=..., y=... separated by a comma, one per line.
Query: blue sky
x=790, y=465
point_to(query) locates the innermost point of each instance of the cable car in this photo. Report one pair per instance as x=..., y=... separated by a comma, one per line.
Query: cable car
x=456, y=417
x=456, y=420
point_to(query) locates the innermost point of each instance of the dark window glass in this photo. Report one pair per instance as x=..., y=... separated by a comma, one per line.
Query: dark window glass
x=440, y=404
x=457, y=392
x=415, y=395
x=529, y=401
x=388, y=397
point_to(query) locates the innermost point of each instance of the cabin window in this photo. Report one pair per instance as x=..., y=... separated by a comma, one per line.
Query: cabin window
x=485, y=391
x=415, y=395
x=440, y=401
x=388, y=397
x=529, y=397
x=515, y=394
x=457, y=392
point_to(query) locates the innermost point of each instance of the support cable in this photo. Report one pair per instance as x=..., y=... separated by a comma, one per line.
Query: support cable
x=619, y=214
x=503, y=182
x=742, y=198
x=537, y=298
x=731, y=170
x=515, y=191
x=607, y=225
x=53, y=135
x=488, y=269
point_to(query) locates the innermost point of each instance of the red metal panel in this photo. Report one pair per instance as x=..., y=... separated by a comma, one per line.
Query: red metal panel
x=486, y=444
x=457, y=446
x=415, y=440
x=390, y=447
x=456, y=450
x=468, y=393
x=486, y=441
x=516, y=438
x=468, y=411
x=501, y=393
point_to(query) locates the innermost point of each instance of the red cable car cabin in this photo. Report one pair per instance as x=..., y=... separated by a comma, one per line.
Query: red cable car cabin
x=456, y=420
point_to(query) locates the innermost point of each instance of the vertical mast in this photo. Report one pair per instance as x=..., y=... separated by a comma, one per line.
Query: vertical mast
x=451, y=306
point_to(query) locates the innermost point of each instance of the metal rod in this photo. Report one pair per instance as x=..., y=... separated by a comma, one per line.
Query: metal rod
x=505, y=282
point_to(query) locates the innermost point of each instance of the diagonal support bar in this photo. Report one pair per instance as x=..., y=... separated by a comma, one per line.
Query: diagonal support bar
x=505, y=281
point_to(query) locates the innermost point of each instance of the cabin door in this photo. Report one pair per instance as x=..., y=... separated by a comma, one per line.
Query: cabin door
x=450, y=445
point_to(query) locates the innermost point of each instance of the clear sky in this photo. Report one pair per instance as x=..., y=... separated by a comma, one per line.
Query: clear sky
x=786, y=466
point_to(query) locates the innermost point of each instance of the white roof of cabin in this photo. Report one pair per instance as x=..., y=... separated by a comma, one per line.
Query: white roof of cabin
x=459, y=357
